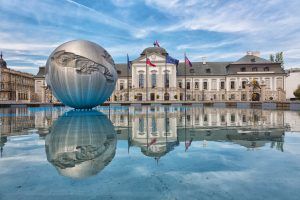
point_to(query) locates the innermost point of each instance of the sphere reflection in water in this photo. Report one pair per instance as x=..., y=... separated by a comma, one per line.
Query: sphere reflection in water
x=81, y=143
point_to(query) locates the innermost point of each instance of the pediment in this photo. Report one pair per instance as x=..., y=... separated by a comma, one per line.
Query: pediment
x=154, y=57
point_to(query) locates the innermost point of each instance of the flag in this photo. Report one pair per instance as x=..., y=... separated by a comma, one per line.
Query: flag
x=148, y=62
x=188, y=144
x=171, y=60
x=188, y=62
x=153, y=141
x=155, y=43
x=128, y=62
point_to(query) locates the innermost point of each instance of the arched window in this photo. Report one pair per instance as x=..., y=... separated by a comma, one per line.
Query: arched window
x=167, y=80
x=141, y=80
x=141, y=125
x=154, y=128
x=153, y=80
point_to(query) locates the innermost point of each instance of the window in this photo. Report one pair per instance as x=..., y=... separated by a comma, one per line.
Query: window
x=196, y=85
x=254, y=69
x=232, y=85
x=153, y=80
x=253, y=60
x=244, y=83
x=267, y=82
x=188, y=85
x=121, y=86
x=180, y=84
x=232, y=118
x=167, y=80
x=141, y=80
x=167, y=125
x=192, y=71
x=222, y=118
x=266, y=69
x=232, y=97
x=279, y=83
x=223, y=96
x=244, y=118
x=119, y=72
x=208, y=70
x=141, y=125
x=154, y=128
x=222, y=85
x=205, y=85
x=214, y=84
x=243, y=69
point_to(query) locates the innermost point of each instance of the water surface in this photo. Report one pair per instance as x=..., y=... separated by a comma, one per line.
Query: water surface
x=149, y=153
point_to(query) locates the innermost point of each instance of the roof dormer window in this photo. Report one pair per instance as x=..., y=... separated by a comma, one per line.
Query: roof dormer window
x=208, y=70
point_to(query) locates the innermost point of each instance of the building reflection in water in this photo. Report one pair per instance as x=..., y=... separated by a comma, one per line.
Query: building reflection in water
x=81, y=143
x=157, y=130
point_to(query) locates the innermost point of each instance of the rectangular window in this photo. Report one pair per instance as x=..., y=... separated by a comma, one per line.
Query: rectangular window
x=214, y=84
x=243, y=69
x=196, y=85
x=205, y=85
x=222, y=85
x=232, y=85
x=180, y=84
x=244, y=83
x=267, y=82
x=188, y=85
x=121, y=86
x=254, y=69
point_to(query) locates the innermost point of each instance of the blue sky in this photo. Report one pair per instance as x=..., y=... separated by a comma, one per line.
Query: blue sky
x=221, y=30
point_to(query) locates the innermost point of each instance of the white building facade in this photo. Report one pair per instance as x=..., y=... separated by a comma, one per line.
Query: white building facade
x=251, y=78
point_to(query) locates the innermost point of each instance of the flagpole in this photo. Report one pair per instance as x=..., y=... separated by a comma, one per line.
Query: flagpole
x=128, y=64
x=184, y=76
x=146, y=78
x=165, y=79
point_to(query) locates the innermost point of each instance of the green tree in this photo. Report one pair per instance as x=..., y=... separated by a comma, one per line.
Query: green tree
x=279, y=58
x=297, y=92
x=271, y=57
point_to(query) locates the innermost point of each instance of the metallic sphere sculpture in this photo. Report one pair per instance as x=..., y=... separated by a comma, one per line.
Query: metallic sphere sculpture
x=81, y=74
x=81, y=143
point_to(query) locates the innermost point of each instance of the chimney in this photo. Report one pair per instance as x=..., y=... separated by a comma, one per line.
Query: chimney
x=204, y=60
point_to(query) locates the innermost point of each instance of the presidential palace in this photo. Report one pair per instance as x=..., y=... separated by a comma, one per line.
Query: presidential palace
x=251, y=78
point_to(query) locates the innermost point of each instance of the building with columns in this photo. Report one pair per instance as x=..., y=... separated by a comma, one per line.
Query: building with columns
x=15, y=86
x=250, y=78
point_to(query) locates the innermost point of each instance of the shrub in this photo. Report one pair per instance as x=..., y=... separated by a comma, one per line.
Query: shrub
x=297, y=92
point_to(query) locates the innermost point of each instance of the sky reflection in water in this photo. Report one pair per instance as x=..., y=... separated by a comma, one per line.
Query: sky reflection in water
x=149, y=152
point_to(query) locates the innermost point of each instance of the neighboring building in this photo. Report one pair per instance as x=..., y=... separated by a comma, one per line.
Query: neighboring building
x=42, y=90
x=15, y=85
x=251, y=78
x=292, y=82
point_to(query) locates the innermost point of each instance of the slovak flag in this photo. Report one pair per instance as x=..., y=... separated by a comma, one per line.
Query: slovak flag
x=188, y=62
x=155, y=43
x=148, y=62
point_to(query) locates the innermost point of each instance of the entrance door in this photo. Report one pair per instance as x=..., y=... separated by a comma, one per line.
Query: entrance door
x=152, y=97
x=167, y=97
x=139, y=97
x=255, y=97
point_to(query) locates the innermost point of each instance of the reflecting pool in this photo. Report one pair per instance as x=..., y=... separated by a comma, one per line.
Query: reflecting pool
x=149, y=152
